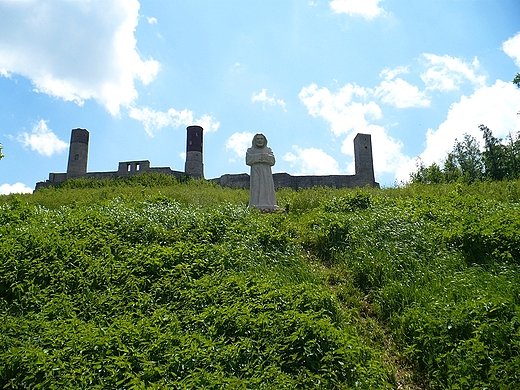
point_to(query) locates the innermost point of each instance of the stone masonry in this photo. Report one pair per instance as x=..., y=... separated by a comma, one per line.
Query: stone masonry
x=78, y=155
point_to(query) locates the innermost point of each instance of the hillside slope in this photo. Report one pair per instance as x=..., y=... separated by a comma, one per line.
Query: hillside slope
x=151, y=283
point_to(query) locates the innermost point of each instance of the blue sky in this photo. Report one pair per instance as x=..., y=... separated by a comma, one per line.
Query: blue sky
x=310, y=75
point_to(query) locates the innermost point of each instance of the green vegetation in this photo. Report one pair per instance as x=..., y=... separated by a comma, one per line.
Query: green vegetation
x=148, y=282
x=466, y=163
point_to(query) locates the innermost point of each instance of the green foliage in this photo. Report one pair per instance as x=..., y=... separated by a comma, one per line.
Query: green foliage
x=156, y=283
x=428, y=175
x=516, y=80
x=136, y=188
x=466, y=336
x=159, y=294
x=440, y=266
x=151, y=179
x=467, y=157
x=466, y=163
x=501, y=160
x=1, y=154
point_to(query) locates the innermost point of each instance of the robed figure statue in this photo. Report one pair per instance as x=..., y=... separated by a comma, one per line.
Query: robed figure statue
x=261, y=158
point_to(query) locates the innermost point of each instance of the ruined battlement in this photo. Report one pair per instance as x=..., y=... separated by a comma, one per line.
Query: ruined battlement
x=284, y=180
x=78, y=156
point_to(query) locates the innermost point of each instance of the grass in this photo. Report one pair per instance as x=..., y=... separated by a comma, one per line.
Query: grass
x=148, y=282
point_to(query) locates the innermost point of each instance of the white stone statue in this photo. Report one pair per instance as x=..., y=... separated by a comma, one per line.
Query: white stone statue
x=261, y=158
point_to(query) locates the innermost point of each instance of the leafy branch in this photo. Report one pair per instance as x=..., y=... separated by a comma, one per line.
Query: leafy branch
x=516, y=80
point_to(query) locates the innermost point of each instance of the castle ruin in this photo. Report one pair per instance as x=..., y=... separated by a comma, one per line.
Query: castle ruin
x=194, y=166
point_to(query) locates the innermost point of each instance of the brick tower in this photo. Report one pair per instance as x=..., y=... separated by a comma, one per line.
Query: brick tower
x=194, y=161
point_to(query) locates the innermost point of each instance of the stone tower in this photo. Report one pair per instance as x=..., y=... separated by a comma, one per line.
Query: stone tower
x=363, y=158
x=194, y=162
x=78, y=153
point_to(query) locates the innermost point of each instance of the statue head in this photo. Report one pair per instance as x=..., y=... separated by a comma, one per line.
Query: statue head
x=259, y=141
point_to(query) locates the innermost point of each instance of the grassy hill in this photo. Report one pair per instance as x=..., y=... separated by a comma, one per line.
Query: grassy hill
x=150, y=283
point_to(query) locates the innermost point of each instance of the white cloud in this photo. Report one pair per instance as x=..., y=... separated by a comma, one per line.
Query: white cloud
x=312, y=161
x=339, y=109
x=151, y=20
x=398, y=92
x=75, y=50
x=264, y=99
x=154, y=121
x=494, y=106
x=239, y=142
x=208, y=123
x=17, y=188
x=389, y=74
x=348, y=117
x=369, y=9
x=512, y=48
x=445, y=73
x=401, y=94
x=42, y=140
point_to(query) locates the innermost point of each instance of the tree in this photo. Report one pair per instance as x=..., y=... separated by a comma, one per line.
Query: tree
x=451, y=169
x=427, y=175
x=512, y=151
x=494, y=155
x=464, y=162
x=468, y=156
x=1, y=155
x=500, y=160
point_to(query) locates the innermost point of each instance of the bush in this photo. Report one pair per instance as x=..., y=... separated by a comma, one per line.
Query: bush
x=177, y=286
x=157, y=294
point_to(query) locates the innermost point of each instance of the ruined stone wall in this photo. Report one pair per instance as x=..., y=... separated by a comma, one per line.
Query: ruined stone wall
x=116, y=174
x=364, y=173
x=127, y=168
x=284, y=180
x=78, y=154
x=241, y=180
